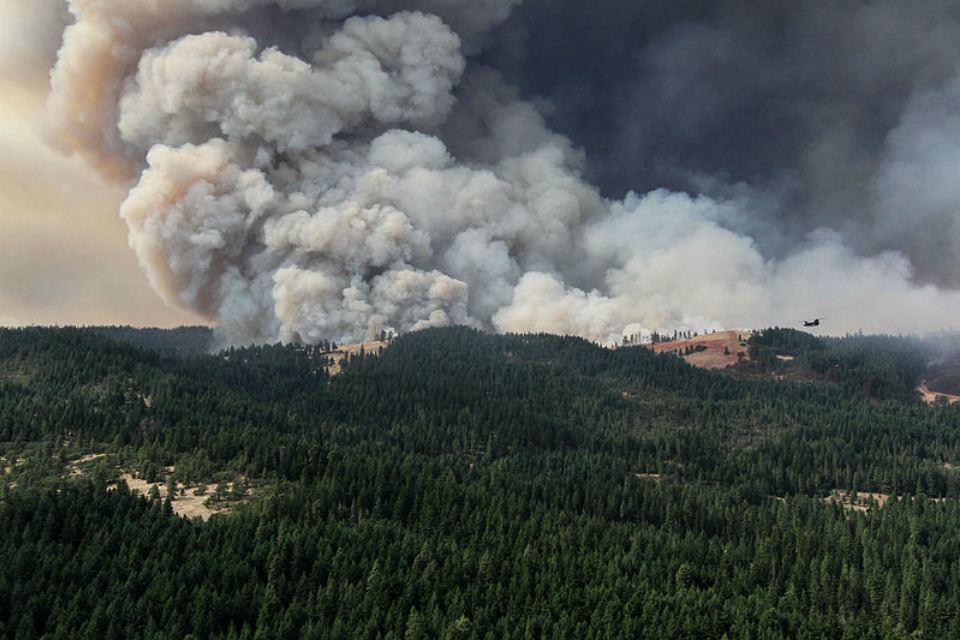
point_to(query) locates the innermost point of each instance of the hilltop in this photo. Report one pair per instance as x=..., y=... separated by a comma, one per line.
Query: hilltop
x=717, y=350
x=930, y=368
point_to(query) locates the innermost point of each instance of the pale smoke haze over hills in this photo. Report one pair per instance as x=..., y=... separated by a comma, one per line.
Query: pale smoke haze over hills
x=310, y=169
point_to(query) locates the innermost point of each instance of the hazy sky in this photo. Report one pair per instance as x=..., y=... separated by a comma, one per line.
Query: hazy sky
x=64, y=257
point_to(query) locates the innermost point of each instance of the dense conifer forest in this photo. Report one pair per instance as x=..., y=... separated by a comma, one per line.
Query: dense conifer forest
x=462, y=485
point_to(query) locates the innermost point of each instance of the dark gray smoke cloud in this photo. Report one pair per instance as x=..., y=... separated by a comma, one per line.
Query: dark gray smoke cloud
x=310, y=169
x=839, y=114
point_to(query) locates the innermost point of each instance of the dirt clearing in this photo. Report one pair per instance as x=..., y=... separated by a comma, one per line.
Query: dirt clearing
x=374, y=347
x=933, y=397
x=861, y=501
x=710, y=351
x=188, y=501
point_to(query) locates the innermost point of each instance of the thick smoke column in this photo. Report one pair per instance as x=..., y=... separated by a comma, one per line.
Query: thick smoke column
x=836, y=114
x=327, y=169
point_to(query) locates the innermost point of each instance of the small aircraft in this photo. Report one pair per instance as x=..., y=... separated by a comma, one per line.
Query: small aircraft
x=813, y=323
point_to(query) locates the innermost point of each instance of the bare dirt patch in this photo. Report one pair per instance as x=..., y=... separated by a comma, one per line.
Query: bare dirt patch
x=186, y=501
x=649, y=476
x=934, y=397
x=861, y=501
x=336, y=357
x=90, y=457
x=710, y=351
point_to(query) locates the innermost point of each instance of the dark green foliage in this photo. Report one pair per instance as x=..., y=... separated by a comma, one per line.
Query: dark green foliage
x=788, y=342
x=182, y=341
x=880, y=367
x=470, y=486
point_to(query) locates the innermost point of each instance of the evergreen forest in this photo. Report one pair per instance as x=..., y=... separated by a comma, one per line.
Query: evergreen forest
x=464, y=485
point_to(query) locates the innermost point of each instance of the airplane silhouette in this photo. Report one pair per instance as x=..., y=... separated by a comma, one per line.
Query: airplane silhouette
x=812, y=323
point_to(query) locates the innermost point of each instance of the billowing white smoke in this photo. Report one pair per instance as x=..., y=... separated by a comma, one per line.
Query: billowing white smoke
x=360, y=177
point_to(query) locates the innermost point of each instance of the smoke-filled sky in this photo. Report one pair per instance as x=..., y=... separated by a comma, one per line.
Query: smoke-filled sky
x=63, y=252
x=311, y=169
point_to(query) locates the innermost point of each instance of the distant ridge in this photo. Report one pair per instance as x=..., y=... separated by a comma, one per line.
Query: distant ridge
x=180, y=341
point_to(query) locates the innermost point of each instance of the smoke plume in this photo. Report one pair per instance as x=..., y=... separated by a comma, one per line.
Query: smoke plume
x=327, y=169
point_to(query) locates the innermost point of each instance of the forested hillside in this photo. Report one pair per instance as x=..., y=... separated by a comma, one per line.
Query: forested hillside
x=461, y=485
x=181, y=341
x=881, y=367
